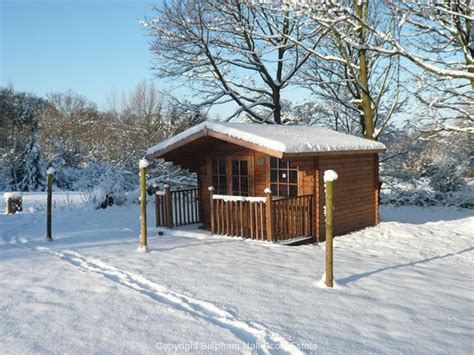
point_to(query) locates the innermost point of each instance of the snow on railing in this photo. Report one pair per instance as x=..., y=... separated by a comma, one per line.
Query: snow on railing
x=230, y=198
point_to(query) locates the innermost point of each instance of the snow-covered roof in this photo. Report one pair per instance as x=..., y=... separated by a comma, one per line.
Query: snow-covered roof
x=274, y=138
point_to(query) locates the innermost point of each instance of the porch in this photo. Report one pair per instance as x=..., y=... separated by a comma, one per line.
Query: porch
x=270, y=218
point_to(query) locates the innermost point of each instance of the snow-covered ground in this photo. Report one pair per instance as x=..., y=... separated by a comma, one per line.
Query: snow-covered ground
x=405, y=286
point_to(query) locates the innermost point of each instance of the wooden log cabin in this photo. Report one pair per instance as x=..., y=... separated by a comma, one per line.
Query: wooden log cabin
x=239, y=161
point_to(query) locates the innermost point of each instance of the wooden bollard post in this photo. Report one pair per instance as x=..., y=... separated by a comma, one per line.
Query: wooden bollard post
x=329, y=177
x=269, y=214
x=156, y=188
x=211, y=207
x=49, y=203
x=143, y=225
x=169, y=207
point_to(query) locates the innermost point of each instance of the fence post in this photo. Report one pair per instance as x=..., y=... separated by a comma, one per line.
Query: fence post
x=329, y=177
x=49, y=207
x=169, y=207
x=269, y=214
x=211, y=207
x=143, y=225
x=156, y=188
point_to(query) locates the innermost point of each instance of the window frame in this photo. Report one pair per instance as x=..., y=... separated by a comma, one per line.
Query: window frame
x=283, y=186
x=219, y=176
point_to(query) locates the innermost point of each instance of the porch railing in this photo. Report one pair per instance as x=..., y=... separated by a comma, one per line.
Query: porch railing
x=239, y=216
x=292, y=217
x=262, y=218
x=177, y=208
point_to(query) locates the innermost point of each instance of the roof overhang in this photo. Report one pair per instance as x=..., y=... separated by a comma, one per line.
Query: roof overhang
x=206, y=132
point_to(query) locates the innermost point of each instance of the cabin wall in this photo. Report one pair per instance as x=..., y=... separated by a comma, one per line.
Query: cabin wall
x=355, y=192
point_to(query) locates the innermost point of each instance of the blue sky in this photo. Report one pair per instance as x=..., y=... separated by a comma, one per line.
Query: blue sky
x=92, y=47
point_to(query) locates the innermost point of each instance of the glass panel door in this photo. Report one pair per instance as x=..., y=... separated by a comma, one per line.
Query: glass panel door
x=240, y=177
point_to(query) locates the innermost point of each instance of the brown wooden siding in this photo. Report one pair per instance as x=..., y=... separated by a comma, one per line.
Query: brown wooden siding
x=355, y=205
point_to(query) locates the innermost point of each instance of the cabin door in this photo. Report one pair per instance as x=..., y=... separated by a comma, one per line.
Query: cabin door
x=240, y=168
x=231, y=175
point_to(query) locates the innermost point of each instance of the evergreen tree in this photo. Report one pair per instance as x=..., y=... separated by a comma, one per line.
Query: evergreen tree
x=33, y=171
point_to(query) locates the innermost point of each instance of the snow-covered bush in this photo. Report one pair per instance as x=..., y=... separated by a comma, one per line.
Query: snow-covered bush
x=427, y=170
x=107, y=184
x=33, y=169
x=420, y=193
x=449, y=174
x=165, y=173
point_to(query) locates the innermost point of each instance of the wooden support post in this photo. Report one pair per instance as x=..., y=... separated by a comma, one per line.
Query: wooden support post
x=211, y=208
x=169, y=207
x=329, y=177
x=269, y=214
x=143, y=225
x=156, y=188
x=378, y=185
x=316, y=201
x=49, y=205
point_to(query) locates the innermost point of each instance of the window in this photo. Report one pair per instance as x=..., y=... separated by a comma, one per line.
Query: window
x=283, y=179
x=219, y=177
x=240, y=177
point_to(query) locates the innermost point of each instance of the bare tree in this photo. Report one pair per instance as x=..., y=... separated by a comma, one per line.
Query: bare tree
x=67, y=122
x=435, y=38
x=439, y=39
x=229, y=51
x=143, y=113
x=438, y=36
x=344, y=71
x=137, y=120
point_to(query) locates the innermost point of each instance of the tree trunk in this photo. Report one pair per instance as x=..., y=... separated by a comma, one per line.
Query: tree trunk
x=366, y=102
x=277, y=106
x=471, y=70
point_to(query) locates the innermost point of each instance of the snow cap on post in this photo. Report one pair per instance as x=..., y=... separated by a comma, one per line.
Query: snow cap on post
x=211, y=188
x=50, y=170
x=14, y=194
x=330, y=175
x=143, y=163
x=267, y=190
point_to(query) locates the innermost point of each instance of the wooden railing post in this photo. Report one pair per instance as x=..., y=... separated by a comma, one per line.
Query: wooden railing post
x=156, y=188
x=329, y=177
x=49, y=207
x=269, y=214
x=143, y=225
x=168, y=208
x=211, y=208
